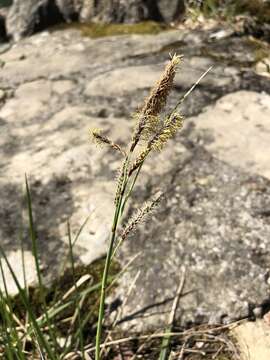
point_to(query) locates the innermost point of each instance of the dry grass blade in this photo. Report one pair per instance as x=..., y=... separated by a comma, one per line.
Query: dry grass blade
x=164, y=353
x=177, y=297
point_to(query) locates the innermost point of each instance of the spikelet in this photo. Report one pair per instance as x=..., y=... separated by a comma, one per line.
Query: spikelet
x=139, y=160
x=151, y=127
x=120, y=180
x=101, y=139
x=156, y=100
x=171, y=126
x=140, y=216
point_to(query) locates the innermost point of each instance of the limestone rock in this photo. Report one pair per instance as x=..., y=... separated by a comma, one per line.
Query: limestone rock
x=15, y=258
x=215, y=217
x=23, y=16
x=212, y=223
x=237, y=130
x=253, y=340
x=172, y=10
x=263, y=67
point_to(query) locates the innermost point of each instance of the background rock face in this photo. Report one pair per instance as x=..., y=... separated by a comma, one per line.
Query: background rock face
x=28, y=16
x=215, y=217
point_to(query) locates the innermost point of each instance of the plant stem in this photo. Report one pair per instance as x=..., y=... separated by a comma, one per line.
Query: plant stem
x=117, y=216
x=102, y=296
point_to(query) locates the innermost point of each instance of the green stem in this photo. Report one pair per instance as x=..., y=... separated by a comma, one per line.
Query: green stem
x=117, y=216
x=105, y=280
x=102, y=296
x=131, y=188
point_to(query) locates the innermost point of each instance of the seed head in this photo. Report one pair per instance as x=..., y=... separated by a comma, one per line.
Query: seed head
x=171, y=126
x=101, y=139
x=156, y=100
x=140, y=216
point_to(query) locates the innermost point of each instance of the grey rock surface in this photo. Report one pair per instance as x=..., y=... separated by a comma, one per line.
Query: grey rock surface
x=214, y=220
x=237, y=130
x=172, y=10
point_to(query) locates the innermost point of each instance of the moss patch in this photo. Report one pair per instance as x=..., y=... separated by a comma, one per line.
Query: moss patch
x=100, y=30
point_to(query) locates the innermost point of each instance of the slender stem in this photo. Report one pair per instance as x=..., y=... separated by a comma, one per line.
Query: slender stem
x=105, y=280
x=117, y=216
x=102, y=296
x=131, y=188
x=183, y=98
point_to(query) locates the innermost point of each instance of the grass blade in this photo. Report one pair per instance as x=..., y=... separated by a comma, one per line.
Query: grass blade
x=41, y=338
x=33, y=237
x=165, y=345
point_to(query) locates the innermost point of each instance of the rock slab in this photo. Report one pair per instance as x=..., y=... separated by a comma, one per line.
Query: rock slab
x=215, y=217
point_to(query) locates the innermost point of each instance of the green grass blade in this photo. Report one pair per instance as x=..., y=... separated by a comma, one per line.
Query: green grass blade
x=166, y=341
x=165, y=346
x=64, y=262
x=5, y=333
x=7, y=311
x=33, y=237
x=77, y=295
x=41, y=338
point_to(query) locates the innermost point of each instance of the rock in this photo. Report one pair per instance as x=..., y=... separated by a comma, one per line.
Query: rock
x=263, y=67
x=28, y=16
x=258, y=312
x=172, y=10
x=23, y=16
x=113, y=83
x=215, y=217
x=253, y=340
x=2, y=95
x=206, y=224
x=54, y=186
x=62, y=87
x=15, y=258
x=239, y=128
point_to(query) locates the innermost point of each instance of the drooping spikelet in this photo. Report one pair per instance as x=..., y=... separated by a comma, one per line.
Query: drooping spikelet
x=140, y=216
x=102, y=139
x=156, y=100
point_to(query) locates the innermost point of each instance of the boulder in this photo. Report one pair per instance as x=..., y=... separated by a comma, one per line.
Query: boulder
x=27, y=16
x=172, y=10
x=214, y=219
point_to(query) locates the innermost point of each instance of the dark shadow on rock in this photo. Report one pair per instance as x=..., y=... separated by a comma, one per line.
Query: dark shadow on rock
x=3, y=33
x=142, y=312
x=52, y=205
x=50, y=15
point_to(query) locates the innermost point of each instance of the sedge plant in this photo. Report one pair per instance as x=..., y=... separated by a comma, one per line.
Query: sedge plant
x=152, y=132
